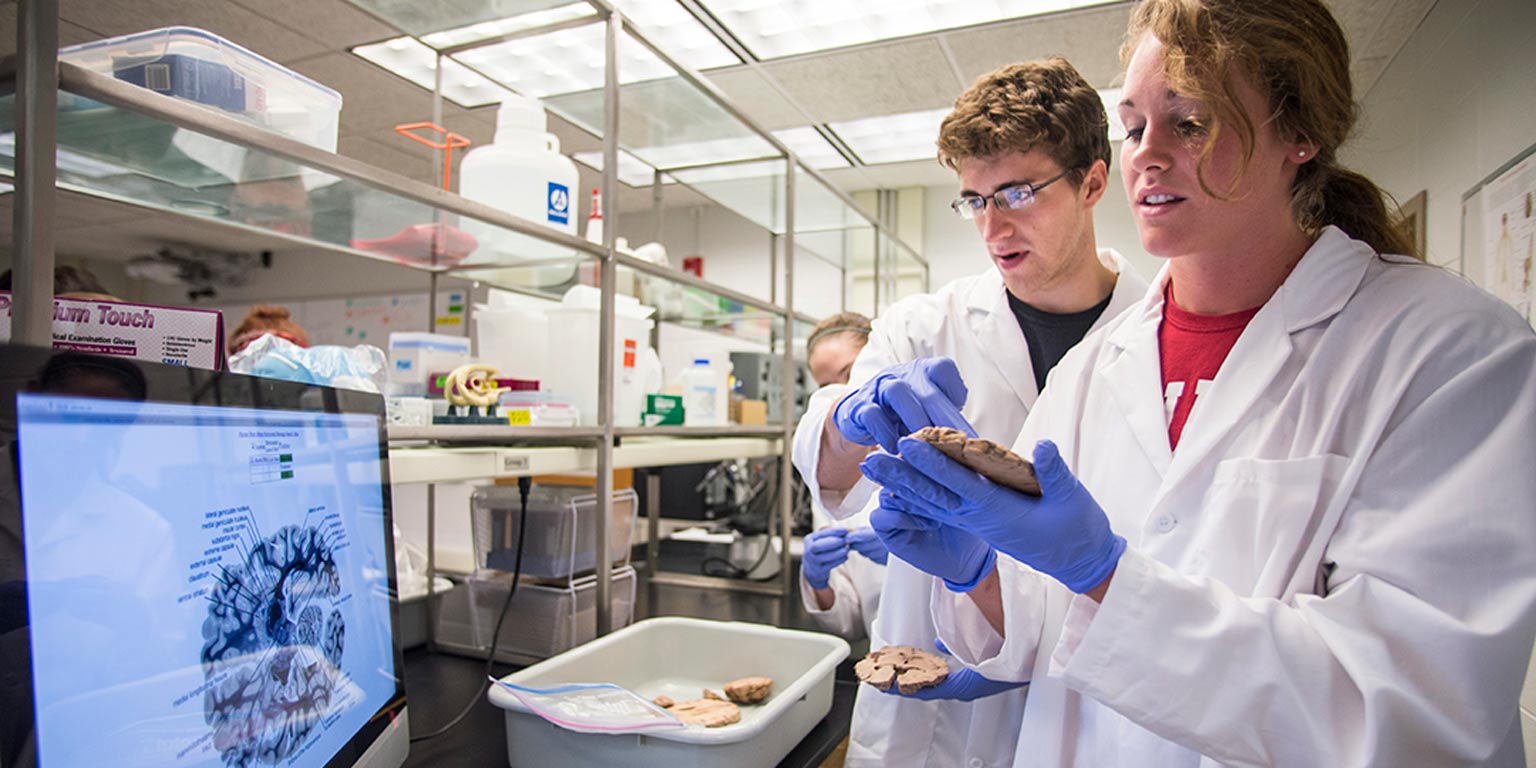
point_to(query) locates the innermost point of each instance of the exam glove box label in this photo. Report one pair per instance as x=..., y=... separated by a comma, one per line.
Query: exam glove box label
x=173, y=335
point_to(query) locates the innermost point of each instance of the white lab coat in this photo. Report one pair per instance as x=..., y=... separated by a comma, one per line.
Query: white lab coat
x=1334, y=568
x=855, y=584
x=968, y=320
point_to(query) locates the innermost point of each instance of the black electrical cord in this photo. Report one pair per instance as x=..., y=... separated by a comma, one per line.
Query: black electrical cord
x=524, y=486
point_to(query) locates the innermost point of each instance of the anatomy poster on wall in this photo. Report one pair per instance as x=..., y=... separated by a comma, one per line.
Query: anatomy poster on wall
x=1509, y=236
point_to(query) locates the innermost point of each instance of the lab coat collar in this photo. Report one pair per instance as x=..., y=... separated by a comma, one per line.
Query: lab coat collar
x=993, y=322
x=1317, y=289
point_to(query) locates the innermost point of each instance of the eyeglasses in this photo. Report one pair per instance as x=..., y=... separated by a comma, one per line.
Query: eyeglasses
x=1014, y=198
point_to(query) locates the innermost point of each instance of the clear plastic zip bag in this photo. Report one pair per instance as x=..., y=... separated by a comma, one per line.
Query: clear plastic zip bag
x=593, y=707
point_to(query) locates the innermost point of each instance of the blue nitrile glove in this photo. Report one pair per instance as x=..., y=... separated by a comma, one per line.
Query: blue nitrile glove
x=957, y=556
x=964, y=684
x=1064, y=533
x=867, y=543
x=901, y=400
x=824, y=550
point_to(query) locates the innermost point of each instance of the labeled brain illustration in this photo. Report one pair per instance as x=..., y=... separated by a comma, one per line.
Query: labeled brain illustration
x=272, y=647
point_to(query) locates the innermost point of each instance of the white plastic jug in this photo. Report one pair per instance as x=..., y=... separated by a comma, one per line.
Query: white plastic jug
x=705, y=400
x=523, y=173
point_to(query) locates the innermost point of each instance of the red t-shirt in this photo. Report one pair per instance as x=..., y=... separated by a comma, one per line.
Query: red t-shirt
x=1192, y=348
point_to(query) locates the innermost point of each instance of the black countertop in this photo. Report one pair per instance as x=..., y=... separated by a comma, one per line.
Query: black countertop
x=439, y=685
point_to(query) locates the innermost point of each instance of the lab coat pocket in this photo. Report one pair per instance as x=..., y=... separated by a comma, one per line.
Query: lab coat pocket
x=1267, y=521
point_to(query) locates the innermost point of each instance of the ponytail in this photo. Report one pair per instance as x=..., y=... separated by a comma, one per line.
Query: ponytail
x=1327, y=194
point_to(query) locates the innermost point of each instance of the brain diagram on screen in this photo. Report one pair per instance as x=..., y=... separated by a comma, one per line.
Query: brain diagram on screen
x=273, y=641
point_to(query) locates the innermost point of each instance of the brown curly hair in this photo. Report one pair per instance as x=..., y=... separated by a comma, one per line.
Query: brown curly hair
x=1296, y=55
x=1044, y=104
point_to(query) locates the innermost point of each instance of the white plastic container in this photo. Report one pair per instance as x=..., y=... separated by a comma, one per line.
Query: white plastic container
x=203, y=68
x=573, y=339
x=515, y=339
x=677, y=657
x=523, y=173
x=413, y=356
x=705, y=398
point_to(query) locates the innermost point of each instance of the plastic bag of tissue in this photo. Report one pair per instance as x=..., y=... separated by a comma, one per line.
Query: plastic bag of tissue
x=593, y=707
x=361, y=367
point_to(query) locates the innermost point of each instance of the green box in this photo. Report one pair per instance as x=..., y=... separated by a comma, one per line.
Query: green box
x=662, y=410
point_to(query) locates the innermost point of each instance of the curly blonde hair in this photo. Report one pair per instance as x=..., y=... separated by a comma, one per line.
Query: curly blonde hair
x=1296, y=55
x=1044, y=104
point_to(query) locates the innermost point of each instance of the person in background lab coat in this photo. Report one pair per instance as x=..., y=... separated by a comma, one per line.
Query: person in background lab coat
x=1029, y=144
x=1287, y=514
x=839, y=590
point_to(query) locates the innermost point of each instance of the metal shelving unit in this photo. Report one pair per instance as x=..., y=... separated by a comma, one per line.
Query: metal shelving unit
x=87, y=115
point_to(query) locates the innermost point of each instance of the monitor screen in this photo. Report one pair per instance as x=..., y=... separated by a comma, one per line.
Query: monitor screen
x=207, y=567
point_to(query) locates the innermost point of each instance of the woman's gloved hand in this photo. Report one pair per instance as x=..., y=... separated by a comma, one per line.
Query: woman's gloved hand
x=953, y=554
x=901, y=400
x=824, y=550
x=963, y=684
x=1063, y=533
x=866, y=542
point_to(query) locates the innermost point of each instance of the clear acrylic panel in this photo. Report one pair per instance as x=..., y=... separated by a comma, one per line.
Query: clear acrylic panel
x=133, y=158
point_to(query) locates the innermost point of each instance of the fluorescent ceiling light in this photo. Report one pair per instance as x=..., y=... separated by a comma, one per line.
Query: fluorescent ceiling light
x=893, y=138
x=812, y=148
x=487, y=30
x=760, y=169
x=774, y=28
x=632, y=170
x=913, y=135
x=571, y=60
x=408, y=58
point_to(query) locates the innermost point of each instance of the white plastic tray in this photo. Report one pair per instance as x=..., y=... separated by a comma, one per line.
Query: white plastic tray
x=677, y=657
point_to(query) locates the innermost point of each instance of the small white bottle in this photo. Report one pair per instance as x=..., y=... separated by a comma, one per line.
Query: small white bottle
x=703, y=398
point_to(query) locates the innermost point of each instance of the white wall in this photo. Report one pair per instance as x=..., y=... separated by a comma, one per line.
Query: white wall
x=1457, y=102
x=954, y=248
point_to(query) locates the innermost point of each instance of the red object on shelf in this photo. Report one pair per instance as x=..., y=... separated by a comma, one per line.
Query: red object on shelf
x=420, y=243
x=694, y=264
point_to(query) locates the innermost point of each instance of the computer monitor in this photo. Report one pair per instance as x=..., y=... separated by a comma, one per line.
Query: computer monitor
x=196, y=569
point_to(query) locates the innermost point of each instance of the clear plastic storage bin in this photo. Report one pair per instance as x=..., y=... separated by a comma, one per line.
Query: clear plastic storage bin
x=541, y=621
x=203, y=68
x=561, y=532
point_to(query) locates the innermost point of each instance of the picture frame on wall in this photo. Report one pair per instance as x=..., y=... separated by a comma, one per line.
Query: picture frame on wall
x=1411, y=215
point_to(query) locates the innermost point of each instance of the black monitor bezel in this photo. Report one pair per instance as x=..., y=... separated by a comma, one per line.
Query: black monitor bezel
x=21, y=365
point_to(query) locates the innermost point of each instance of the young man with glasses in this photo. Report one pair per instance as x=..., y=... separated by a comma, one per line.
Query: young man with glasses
x=1029, y=144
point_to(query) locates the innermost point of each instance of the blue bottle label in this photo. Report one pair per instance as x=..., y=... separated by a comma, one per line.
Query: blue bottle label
x=559, y=203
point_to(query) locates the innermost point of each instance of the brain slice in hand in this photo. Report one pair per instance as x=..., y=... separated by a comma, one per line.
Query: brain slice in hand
x=984, y=457
x=908, y=668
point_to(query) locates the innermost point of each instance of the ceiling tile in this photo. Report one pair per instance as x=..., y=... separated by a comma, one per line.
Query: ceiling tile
x=333, y=23
x=757, y=97
x=1089, y=39
x=69, y=34
x=879, y=79
x=120, y=17
x=412, y=161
